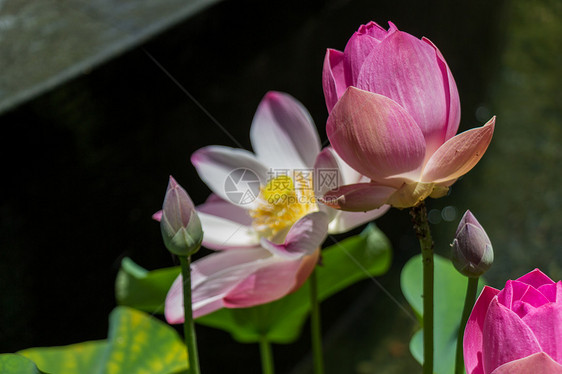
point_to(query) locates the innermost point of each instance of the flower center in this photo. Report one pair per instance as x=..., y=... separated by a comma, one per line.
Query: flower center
x=281, y=204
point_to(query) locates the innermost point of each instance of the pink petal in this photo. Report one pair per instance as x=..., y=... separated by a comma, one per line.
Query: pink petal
x=345, y=221
x=221, y=168
x=359, y=197
x=340, y=221
x=329, y=160
x=375, y=136
x=508, y=338
x=212, y=277
x=360, y=45
x=269, y=283
x=304, y=237
x=333, y=79
x=157, y=216
x=546, y=324
x=406, y=70
x=472, y=343
x=378, y=32
x=536, y=278
x=459, y=154
x=520, y=297
x=283, y=134
x=357, y=49
x=174, y=303
x=326, y=161
x=553, y=292
x=348, y=175
x=531, y=299
x=536, y=363
x=327, y=175
x=451, y=95
x=511, y=292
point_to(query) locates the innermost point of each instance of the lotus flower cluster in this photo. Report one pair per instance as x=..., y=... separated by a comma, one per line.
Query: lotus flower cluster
x=517, y=329
x=394, y=112
x=267, y=245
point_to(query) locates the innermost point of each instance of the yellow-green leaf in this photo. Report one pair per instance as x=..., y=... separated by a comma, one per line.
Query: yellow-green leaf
x=11, y=363
x=136, y=344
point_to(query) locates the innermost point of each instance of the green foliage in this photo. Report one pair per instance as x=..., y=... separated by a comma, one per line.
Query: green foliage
x=15, y=364
x=136, y=343
x=143, y=289
x=343, y=264
x=449, y=294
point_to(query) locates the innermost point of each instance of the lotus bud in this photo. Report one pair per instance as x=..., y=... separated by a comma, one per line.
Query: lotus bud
x=180, y=225
x=472, y=252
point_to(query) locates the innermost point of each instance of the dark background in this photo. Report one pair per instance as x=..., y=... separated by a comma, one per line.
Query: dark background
x=86, y=164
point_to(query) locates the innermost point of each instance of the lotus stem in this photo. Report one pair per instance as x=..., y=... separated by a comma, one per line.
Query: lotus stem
x=421, y=227
x=188, y=325
x=471, y=289
x=266, y=356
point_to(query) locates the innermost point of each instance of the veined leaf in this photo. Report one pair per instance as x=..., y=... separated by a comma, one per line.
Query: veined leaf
x=136, y=344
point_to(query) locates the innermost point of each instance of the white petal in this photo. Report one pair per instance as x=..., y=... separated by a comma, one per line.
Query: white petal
x=233, y=174
x=283, y=134
x=222, y=233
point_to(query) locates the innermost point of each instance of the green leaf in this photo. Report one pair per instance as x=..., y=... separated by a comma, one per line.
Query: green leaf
x=136, y=343
x=11, y=363
x=449, y=294
x=343, y=264
x=143, y=289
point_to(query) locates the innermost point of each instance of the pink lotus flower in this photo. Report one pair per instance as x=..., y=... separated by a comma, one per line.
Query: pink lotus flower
x=263, y=218
x=394, y=112
x=517, y=329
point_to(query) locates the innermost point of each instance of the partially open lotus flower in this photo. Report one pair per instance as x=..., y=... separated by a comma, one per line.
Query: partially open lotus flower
x=263, y=218
x=394, y=112
x=517, y=330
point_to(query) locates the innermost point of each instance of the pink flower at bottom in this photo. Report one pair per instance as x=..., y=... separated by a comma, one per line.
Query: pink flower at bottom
x=516, y=330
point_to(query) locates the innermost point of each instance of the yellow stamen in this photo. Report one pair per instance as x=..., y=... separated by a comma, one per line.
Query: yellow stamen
x=281, y=205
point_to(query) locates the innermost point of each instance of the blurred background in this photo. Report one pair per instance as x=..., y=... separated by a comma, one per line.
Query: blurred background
x=92, y=126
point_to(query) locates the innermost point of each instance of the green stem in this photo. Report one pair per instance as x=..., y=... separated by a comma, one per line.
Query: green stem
x=315, y=326
x=471, y=289
x=421, y=226
x=266, y=357
x=188, y=325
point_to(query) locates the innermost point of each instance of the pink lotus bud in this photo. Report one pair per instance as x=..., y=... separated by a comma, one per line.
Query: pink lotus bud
x=517, y=329
x=394, y=112
x=472, y=252
x=410, y=71
x=180, y=225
